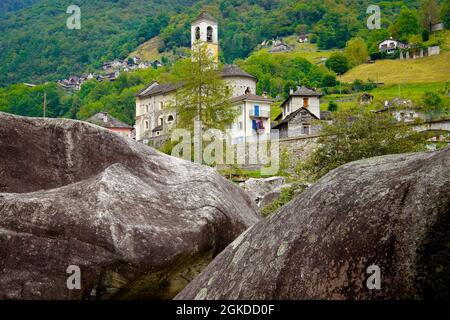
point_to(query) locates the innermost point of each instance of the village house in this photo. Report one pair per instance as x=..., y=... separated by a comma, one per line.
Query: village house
x=299, y=114
x=103, y=119
x=303, y=38
x=438, y=27
x=366, y=98
x=390, y=45
x=154, y=121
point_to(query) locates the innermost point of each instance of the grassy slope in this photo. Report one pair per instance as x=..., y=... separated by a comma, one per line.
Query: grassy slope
x=148, y=51
x=430, y=69
x=308, y=51
x=412, y=91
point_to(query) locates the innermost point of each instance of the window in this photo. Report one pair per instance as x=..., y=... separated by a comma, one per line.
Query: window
x=256, y=110
x=247, y=91
x=240, y=125
x=305, y=102
x=161, y=121
x=209, y=34
x=197, y=33
x=161, y=105
x=146, y=125
x=305, y=129
x=170, y=118
x=146, y=108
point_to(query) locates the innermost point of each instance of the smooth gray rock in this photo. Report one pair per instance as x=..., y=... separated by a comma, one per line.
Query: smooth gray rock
x=391, y=211
x=138, y=223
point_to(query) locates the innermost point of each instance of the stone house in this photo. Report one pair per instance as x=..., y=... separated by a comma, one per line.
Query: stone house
x=300, y=113
x=103, y=119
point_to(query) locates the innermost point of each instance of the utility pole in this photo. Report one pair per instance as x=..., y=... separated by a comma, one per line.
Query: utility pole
x=45, y=104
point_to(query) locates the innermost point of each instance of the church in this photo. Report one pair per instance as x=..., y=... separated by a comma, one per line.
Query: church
x=154, y=121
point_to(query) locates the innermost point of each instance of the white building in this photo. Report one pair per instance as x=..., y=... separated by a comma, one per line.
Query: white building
x=154, y=121
x=390, y=45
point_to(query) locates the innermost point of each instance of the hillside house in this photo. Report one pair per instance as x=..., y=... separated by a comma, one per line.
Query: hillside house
x=303, y=38
x=390, y=45
x=103, y=119
x=438, y=27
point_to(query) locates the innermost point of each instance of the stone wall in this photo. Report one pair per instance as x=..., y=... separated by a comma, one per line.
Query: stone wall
x=298, y=148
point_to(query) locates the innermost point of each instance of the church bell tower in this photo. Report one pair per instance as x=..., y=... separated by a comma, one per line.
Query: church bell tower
x=205, y=30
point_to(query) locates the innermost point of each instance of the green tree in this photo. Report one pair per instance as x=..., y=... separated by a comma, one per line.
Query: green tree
x=429, y=14
x=332, y=106
x=204, y=95
x=356, y=52
x=329, y=80
x=355, y=135
x=405, y=25
x=338, y=63
x=445, y=12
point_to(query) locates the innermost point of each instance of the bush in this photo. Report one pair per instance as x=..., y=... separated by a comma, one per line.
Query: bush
x=329, y=80
x=432, y=101
x=332, y=106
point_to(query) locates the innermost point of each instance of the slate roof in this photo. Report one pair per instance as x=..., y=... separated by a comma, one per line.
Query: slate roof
x=293, y=115
x=205, y=16
x=252, y=97
x=303, y=92
x=306, y=92
x=110, y=123
x=232, y=70
x=159, y=89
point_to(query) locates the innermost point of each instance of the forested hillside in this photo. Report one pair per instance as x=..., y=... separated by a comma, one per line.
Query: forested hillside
x=36, y=45
x=14, y=5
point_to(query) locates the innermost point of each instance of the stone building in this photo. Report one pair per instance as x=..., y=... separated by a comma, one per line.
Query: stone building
x=300, y=112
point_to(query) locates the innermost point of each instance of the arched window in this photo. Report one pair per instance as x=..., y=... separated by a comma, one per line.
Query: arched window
x=197, y=33
x=170, y=118
x=209, y=34
x=248, y=91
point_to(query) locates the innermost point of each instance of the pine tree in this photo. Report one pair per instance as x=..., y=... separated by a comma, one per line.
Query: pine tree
x=204, y=96
x=429, y=14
